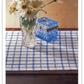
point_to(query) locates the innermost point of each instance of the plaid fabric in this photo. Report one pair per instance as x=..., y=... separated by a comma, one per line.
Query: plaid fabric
x=61, y=54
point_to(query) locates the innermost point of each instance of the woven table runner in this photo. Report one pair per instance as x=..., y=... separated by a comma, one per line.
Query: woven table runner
x=61, y=54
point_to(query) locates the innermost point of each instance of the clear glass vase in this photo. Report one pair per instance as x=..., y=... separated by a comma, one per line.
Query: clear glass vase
x=28, y=28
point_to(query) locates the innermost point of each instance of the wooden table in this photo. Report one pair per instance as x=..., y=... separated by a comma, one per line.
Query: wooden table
x=42, y=77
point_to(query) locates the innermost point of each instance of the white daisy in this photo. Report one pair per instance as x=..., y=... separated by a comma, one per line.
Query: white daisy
x=22, y=6
x=36, y=4
x=30, y=14
x=12, y=7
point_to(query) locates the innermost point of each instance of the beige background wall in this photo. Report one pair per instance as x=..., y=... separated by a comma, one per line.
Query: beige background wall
x=66, y=14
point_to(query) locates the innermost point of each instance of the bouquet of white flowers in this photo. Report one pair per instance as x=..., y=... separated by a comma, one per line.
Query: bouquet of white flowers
x=28, y=12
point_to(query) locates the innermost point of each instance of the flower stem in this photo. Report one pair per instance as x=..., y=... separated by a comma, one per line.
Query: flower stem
x=43, y=11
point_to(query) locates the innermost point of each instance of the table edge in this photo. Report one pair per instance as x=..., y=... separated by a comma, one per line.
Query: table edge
x=47, y=72
x=59, y=29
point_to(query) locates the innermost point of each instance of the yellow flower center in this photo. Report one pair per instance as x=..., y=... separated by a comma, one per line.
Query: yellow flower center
x=13, y=9
x=24, y=6
x=29, y=12
x=34, y=6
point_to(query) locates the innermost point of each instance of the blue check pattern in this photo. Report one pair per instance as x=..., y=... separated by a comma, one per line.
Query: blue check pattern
x=61, y=54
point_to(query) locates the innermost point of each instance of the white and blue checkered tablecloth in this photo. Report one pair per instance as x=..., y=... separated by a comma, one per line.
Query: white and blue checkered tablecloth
x=61, y=54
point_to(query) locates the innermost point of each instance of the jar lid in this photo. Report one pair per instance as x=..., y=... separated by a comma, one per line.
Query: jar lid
x=47, y=24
